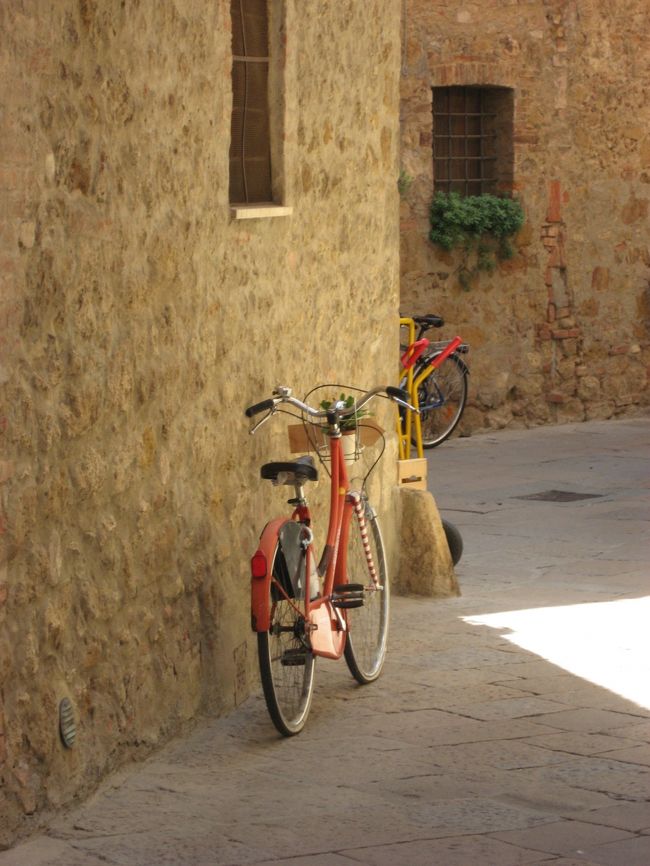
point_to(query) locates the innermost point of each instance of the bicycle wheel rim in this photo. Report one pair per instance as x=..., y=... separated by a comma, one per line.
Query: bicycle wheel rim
x=442, y=398
x=365, y=647
x=287, y=685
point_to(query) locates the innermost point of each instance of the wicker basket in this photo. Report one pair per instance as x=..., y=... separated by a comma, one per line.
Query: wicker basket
x=302, y=439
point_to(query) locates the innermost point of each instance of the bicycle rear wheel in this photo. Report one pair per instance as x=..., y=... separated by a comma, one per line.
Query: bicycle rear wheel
x=285, y=658
x=442, y=397
x=365, y=647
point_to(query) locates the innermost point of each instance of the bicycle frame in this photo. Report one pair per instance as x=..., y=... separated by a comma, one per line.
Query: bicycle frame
x=326, y=624
x=409, y=420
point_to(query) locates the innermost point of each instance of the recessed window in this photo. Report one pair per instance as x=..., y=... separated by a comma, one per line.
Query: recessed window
x=472, y=140
x=250, y=142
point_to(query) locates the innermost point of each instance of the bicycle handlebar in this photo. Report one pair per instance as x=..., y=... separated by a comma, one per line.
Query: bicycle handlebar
x=399, y=394
x=283, y=395
x=259, y=407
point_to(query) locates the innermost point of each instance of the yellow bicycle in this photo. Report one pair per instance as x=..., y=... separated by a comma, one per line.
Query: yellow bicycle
x=435, y=376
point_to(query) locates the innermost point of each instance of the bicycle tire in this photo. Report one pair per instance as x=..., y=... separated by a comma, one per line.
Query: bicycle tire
x=285, y=660
x=365, y=647
x=454, y=540
x=442, y=398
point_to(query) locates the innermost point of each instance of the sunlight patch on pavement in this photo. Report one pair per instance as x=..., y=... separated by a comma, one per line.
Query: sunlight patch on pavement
x=606, y=643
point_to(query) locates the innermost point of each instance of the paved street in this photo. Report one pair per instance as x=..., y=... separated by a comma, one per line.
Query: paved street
x=511, y=725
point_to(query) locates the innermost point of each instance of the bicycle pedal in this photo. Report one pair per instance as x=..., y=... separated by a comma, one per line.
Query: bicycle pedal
x=294, y=657
x=348, y=595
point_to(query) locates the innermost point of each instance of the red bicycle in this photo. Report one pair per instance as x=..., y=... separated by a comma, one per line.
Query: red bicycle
x=304, y=606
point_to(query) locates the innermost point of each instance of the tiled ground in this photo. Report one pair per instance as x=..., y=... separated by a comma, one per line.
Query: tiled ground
x=472, y=749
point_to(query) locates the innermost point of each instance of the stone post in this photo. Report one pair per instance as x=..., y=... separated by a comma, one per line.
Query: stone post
x=425, y=566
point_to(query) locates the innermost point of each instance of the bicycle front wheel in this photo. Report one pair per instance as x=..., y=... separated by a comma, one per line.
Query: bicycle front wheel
x=285, y=658
x=454, y=540
x=442, y=397
x=365, y=647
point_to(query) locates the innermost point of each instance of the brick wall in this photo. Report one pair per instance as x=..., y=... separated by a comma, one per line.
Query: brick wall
x=561, y=331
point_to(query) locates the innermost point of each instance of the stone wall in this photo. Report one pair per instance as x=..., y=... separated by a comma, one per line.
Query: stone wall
x=561, y=331
x=138, y=319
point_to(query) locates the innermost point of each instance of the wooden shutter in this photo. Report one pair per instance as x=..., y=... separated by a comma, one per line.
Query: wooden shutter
x=250, y=145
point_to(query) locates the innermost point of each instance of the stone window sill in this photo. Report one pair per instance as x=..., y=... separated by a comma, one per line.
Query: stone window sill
x=259, y=211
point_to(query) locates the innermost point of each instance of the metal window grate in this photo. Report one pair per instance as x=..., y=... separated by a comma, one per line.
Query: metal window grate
x=464, y=141
x=250, y=139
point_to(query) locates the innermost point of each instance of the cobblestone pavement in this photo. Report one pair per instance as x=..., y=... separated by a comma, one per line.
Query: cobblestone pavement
x=511, y=725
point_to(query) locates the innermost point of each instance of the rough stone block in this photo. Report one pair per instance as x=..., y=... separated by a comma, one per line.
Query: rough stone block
x=600, y=279
x=589, y=388
x=425, y=562
x=120, y=327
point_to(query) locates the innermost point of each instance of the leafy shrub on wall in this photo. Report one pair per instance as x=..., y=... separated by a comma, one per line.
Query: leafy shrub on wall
x=480, y=225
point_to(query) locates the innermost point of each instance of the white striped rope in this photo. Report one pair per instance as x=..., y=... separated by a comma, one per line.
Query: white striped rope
x=359, y=511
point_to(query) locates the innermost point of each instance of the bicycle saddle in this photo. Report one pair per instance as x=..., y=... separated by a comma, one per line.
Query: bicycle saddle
x=430, y=320
x=291, y=471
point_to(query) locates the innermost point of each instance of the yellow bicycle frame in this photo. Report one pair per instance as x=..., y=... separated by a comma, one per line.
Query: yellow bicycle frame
x=408, y=420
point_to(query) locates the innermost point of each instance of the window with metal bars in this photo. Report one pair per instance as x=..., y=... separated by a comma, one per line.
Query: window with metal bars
x=250, y=139
x=472, y=140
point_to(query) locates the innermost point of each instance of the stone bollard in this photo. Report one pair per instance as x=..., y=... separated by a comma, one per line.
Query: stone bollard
x=425, y=566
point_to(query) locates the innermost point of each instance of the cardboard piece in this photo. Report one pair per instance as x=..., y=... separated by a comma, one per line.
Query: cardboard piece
x=299, y=442
x=412, y=473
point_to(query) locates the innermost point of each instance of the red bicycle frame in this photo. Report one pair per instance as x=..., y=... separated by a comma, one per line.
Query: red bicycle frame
x=327, y=625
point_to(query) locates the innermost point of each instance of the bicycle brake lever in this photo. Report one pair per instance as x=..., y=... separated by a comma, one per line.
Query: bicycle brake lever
x=262, y=421
x=406, y=405
x=401, y=396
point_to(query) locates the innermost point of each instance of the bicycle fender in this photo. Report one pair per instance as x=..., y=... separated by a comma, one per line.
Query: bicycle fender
x=463, y=366
x=261, y=568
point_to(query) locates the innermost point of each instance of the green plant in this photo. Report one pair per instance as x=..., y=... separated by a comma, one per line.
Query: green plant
x=480, y=225
x=348, y=401
x=404, y=182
